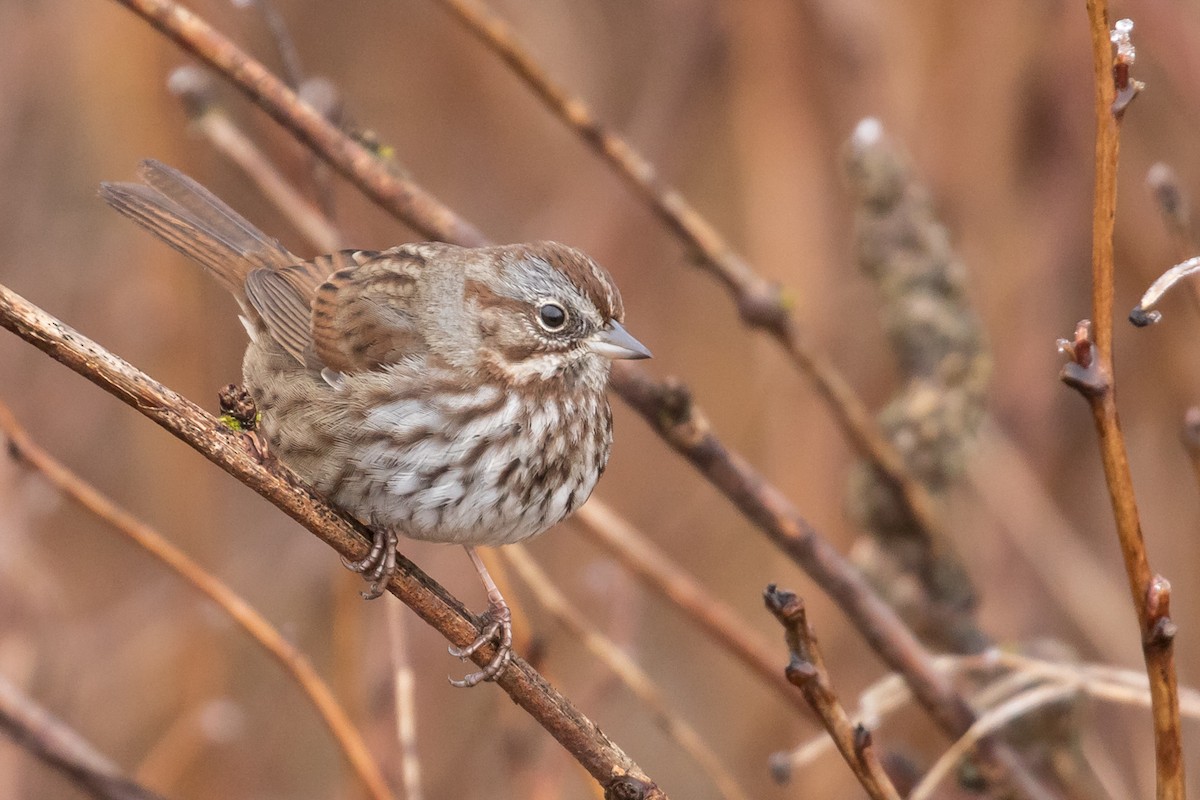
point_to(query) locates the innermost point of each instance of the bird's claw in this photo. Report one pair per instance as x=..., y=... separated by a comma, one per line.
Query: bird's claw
x=378, y=565
x=498, y=630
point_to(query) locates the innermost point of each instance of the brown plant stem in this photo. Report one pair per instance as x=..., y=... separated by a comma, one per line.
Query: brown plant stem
x=604, y=527
x=232, y=452
x=56, y=744
x=624, y=667
x=806, y=671
x=761, y=304
x=294, y=662
x=1090, y=371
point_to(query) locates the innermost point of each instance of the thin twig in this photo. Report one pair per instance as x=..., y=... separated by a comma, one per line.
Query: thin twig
x=61, y=747
x=604, y=527
x=634, y=677
x=22, y=447
x=230, y=451
x=406, y=703
x=990, y=722
x=761, y=304
x=807, y=672
x=1090, y=370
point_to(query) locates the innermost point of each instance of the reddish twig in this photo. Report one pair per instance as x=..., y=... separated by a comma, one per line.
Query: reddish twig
x=55, y=743
x=22, y=447
x=230, y=451
x=1090, y=371
x=807, y=672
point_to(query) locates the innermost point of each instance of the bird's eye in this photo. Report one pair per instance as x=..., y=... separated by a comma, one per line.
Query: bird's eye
x=552, y=316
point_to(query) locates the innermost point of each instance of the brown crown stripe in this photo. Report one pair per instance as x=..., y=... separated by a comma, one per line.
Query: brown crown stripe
x=585, y=273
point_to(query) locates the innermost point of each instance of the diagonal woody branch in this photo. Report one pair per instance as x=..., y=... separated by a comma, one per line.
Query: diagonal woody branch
x=230, y=451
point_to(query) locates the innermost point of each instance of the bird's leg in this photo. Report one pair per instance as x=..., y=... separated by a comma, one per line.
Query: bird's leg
x=379, y=564
x=498, y=629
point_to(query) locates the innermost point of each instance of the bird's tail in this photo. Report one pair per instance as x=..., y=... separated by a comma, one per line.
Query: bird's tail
x=198, y=224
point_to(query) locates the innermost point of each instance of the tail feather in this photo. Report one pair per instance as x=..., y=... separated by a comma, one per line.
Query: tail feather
x=193, y=221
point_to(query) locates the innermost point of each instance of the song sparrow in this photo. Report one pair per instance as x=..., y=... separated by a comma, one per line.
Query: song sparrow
x=443, y=393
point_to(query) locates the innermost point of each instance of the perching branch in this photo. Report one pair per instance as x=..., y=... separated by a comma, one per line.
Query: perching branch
x=230, y=451
x=1090, y=371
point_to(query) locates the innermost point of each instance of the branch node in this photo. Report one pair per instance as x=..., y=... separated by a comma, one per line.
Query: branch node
x=863, y=740
x=1083, y=372
x=801, y=673
x=764, y=306
x=627, y=787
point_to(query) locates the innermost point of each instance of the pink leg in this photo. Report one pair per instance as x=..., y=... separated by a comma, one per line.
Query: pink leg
x=498, y=630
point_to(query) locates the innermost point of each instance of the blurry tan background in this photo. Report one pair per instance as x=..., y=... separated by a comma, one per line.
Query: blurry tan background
x=744, y=105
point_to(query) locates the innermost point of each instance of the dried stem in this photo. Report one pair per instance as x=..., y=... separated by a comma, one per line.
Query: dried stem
x=1090, y=370
x=294, y=662
x=990, y=722
x=406, y=703
x=61, y=747
x=230, y=451
x=761, y=304
x=807, y=672
x=624, y=667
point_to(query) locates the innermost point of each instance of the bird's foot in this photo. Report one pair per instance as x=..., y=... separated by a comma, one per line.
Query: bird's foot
x=497, y=629
x=379, y=564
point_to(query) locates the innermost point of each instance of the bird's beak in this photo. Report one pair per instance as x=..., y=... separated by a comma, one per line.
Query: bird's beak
x=614, y=342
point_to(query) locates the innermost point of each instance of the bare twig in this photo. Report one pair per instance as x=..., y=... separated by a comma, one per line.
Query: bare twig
x=604, y=527
x=229, y=450
x=406, y=703
x=624, y=667
x=22, y=447
x=1090, y=370
x=993, y=720
x=762, y=305
x=807, y=672
x=55, y=743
